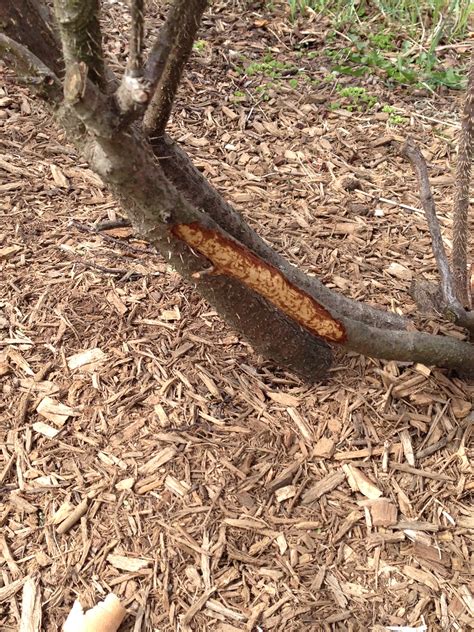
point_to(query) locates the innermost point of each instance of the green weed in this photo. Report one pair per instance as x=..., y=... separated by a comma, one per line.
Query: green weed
x=356, y=99
x=397, y=39
x=200, y=45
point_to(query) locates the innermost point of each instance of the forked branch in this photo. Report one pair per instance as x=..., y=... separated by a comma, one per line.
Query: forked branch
x=167, y=59
x=452, y=306
x=461, y=194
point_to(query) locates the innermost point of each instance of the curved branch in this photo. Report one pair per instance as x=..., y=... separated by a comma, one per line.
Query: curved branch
x=461, y=193
x=180, y=170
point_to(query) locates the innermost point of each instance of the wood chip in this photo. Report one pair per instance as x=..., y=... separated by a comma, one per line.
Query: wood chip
x=125, y=563
x=86, y=360
x=359, y=482
x=31, y=613
x=383, y=512
x=54, y=411
x=324, y=448
x=324, y=486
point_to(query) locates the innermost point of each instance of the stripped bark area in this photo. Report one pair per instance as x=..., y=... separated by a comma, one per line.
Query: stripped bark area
x=231, y=258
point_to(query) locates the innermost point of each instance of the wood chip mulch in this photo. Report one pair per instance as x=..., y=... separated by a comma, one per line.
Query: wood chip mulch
x=146, y=451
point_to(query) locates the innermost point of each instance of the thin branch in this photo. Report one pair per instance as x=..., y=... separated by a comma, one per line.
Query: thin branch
x=452, y=305
x=41, y=78
x=461, y=193
x=133, y=92
x=81, y=36
x=135, y=47
x=168, y=58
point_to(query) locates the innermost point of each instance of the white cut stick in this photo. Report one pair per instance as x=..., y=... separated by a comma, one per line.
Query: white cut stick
x=106, y=616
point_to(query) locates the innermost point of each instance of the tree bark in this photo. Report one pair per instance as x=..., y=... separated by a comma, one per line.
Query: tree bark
x=461, y=193
x=28, y=23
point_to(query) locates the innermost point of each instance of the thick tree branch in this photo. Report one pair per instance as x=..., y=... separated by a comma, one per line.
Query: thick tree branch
x=41, y=78
x=167, y=60
x=156, y=207
x=81, y=36
x=180, y=170
x=461, y=193
x=28, y=22
x=452, y=306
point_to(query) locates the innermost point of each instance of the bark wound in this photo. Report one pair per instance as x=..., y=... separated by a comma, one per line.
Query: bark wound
x=233, y=259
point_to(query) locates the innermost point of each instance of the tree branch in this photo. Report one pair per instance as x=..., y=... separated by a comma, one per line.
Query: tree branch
x=81, y=36
x=154, y=206
x=461, y=193
x=180, y=170
x=133, y=92
x=167, y=60
x=28, y=23
x=452, y=305
x=41, y=78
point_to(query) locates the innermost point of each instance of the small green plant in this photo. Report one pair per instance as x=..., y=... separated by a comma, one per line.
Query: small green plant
x=264, y=91
x=270, y=67
x=394, y=119
x=200, y=45
x=357, y=98
x=293, y=83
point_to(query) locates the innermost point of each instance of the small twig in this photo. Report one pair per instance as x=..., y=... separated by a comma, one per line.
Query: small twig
x=452, y=305
x=118, y=242
x=461, y=194
x=125, y=275
x=414, y=155
x=168, y=58
x=110, y=224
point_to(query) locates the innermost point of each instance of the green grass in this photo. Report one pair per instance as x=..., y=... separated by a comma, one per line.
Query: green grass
x=396, y=39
